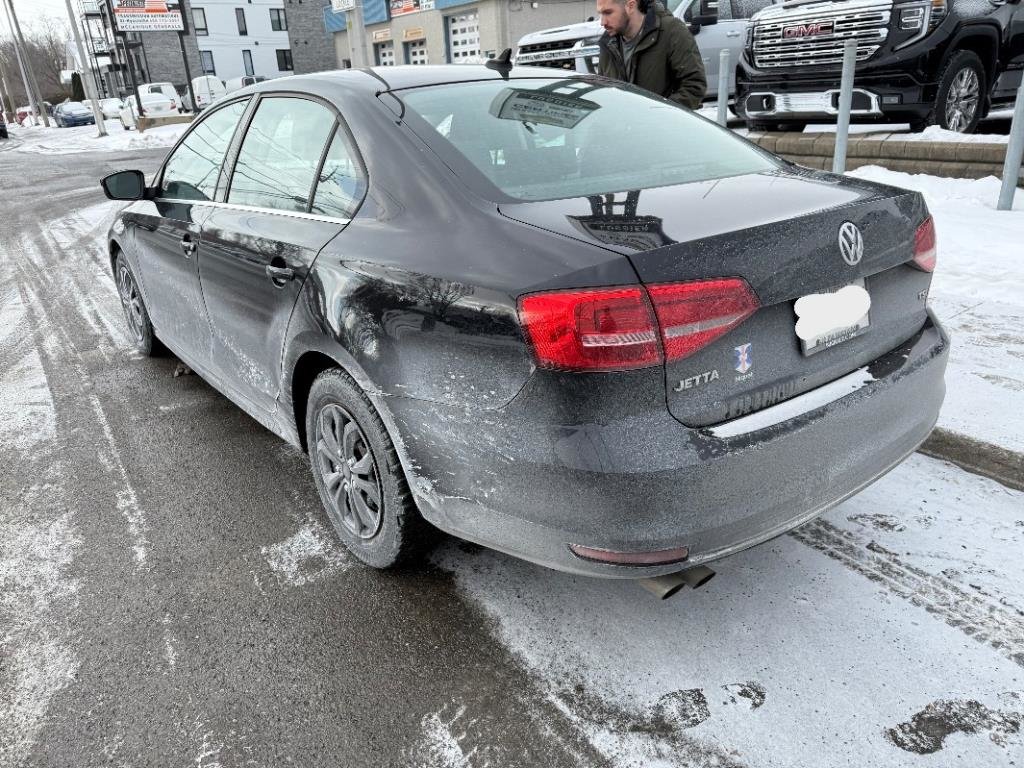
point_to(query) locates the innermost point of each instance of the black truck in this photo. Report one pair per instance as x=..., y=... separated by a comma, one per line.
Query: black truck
x=926, y=62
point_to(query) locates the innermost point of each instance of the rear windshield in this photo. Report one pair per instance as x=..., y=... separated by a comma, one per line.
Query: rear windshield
x=548, y=139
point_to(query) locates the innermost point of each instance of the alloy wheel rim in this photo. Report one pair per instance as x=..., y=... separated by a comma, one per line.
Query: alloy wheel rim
x=962, y=100
x=349, y=473
x=131, y=302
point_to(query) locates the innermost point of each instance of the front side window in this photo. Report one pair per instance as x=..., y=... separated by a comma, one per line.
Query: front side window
x=280, y=154
x=199, y=22
x=191, y=171
x=341, y=184
x=278, y=22
x=284, y=60
x=549, y=139
x=240, y=18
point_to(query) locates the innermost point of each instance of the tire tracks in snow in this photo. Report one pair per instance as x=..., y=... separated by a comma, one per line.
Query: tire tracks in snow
x=976, y=617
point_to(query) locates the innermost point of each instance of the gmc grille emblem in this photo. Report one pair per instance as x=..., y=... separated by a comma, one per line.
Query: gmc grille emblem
x=807, y=30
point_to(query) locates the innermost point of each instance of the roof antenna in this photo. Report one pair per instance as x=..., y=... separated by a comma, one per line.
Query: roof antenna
x=502, y=64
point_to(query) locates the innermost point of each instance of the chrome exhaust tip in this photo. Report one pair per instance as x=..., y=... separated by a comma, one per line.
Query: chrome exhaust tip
x=663, y=587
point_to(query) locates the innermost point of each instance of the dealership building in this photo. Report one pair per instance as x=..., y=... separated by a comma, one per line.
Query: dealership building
x=444, y=31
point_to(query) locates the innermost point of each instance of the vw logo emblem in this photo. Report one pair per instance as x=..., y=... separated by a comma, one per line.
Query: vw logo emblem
x=851, y=243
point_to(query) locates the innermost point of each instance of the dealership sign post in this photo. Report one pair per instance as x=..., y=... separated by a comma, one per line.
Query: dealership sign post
x=146, y=16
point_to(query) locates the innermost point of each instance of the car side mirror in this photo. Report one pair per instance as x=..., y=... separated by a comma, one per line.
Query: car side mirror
x=124, y=185
x=707, y=13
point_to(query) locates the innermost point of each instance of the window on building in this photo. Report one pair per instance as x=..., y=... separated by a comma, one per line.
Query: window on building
x=206, y=58
x=199, y=22
x=278, y=22
x=284, y=60
x=247, y=62
x=280, y=154
x=240, y=17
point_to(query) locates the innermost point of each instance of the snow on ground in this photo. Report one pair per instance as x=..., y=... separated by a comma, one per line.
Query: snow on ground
x=978, y=293
x=66, y=141
x=868, y=636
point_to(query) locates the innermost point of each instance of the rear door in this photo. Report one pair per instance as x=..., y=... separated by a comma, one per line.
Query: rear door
x=169, y=236
x=295, y=183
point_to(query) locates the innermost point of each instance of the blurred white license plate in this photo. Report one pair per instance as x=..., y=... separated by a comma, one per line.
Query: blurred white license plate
x=823, y=307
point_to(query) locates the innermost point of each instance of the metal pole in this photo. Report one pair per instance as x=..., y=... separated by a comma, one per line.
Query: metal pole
x=9, y=95
x=845, y=101
x=184, y=57
x=97, y=113
x=28, y=64
x=21, y=69
x=1014, y=155
x=723, y=86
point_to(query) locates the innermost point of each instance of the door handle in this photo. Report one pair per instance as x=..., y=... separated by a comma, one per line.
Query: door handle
x=188, y=246
x=280, y=274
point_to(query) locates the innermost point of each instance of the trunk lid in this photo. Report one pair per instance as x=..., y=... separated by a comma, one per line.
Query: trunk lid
x=778, y=231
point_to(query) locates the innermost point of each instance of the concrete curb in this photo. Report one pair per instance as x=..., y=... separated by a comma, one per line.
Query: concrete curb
x=950, y=159
x=985, y=459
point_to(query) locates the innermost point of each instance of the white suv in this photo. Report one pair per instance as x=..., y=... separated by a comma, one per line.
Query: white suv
x=575, y=46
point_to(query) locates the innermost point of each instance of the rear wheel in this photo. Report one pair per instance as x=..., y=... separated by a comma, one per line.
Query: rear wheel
x=358, y=475
x=135, y=313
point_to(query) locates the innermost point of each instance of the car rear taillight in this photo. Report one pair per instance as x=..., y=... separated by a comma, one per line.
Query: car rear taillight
x=614, y=329
x=692, y=315
x=607, y=329
x=925, y=251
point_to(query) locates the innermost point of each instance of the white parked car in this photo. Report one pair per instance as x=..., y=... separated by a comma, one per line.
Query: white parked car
x=207, y=89
x=237, y=83
x=167, y=89
x=153, y=105
x=111, y=108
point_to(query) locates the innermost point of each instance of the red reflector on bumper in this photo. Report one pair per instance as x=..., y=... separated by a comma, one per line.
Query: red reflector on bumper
x=658, y=557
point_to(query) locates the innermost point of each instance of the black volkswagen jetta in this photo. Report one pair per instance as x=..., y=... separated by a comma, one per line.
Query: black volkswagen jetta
x=548, y=313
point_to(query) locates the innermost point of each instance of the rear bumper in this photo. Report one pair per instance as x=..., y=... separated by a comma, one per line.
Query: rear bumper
x=646, y=482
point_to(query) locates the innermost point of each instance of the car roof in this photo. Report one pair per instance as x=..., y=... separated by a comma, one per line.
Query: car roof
x=379, y=79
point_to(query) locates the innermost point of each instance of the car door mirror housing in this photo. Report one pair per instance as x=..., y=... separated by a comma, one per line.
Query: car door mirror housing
x=125, y=185
x=706, y=12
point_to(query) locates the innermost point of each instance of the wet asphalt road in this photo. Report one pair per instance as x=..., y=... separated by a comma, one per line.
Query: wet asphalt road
x=171, y=594
x=189, y=623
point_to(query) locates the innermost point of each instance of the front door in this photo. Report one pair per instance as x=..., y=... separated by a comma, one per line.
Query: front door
x=259, y=245
x=169, y=234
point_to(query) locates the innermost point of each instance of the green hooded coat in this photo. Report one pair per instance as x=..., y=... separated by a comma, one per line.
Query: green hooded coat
x=666, y=60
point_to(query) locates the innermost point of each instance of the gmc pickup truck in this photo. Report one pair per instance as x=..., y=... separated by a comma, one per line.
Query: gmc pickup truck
x=926, y=62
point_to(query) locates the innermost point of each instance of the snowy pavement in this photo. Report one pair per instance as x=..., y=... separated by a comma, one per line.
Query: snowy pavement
x=171, y=594
x=978, y=293
x=69, y=141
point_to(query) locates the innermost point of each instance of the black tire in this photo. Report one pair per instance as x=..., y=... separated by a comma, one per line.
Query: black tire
x=384, y=534
x=140, y=327
x=965, y=71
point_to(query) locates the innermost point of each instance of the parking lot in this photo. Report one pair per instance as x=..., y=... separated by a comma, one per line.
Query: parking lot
x=171, y=592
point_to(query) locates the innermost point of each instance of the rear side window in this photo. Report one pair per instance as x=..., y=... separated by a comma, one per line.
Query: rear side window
x=549, y=139
x=280, y=154
x=192, y=170
x=341, y=184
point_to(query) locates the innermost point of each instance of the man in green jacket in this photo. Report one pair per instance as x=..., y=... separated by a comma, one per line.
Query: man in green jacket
x=651, y=48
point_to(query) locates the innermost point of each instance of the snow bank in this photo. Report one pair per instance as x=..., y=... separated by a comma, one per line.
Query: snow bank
x=67, y=141
x=978, y=293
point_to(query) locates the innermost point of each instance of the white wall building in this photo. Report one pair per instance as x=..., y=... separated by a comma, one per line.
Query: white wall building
x=242, y=37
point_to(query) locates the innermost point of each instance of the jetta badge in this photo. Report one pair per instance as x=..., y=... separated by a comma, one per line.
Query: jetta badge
x=851, y=243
